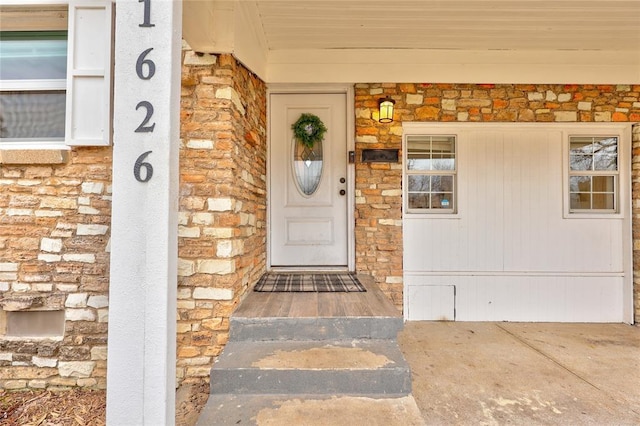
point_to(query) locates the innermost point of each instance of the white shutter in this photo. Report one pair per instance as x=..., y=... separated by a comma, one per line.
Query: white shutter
x=88, y=118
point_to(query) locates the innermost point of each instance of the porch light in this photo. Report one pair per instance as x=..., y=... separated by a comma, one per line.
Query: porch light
x=385, y=106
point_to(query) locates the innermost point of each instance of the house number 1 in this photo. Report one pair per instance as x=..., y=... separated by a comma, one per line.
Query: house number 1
x=145, y=70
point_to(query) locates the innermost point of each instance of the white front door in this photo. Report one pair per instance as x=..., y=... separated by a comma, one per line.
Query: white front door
x=308, y=201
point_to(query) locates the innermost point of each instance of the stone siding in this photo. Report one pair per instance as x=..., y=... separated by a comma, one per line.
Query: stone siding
x=222, y=233
x=378, y=185
x=55, y=223
x=54, y=242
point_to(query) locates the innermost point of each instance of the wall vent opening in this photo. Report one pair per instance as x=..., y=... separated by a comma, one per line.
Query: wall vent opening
x=35, y=323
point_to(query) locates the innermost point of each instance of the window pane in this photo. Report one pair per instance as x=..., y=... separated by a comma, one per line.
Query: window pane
x=581, y=145
x=32, y=115
x=608, y=145
x=419, y=153
x=592, y=192
x=307, y=166
x=418, y=163
x=581, y=162
x=419, y=146
x=580, y=201
x=443, y=152
x=593, y=155
x=431, y=192
x=605, y=162
x=443, y=162
x=29, y=55
x=419, y=183
x=603, y=201
x=580, y=184
x=442, y=144
x=442, y=183
x=442, y=200
x=418, y=201
x=606, y=154
x=603, y=184
x=431, y=153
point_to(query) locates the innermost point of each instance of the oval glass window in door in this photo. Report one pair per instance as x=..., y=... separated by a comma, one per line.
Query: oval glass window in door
x=307, y=166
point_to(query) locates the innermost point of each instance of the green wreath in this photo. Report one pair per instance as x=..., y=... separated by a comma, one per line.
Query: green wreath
x=308, y=130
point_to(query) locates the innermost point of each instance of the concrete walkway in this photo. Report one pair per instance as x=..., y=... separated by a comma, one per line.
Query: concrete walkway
x=524, y=374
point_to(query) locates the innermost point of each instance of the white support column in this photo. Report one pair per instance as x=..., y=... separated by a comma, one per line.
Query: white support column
x=142, y=311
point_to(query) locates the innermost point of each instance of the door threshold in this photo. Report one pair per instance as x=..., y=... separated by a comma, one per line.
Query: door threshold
x=308, y=269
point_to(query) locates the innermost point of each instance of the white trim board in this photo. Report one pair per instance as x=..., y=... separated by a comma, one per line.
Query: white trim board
x=518, y=298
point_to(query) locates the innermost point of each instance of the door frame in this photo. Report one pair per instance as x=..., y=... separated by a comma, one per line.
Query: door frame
x=348, y=91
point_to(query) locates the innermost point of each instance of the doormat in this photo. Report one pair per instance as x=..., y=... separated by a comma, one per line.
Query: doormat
x=332, y=282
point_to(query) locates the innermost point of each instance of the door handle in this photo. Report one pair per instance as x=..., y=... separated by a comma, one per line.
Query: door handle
x=342, y=180
x=342, y=192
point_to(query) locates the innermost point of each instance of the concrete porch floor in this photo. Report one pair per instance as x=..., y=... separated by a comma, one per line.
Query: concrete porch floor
x=486, y=374
x=524, y=374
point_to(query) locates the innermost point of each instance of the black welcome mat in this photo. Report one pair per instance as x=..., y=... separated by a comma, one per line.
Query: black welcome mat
x=331, y=282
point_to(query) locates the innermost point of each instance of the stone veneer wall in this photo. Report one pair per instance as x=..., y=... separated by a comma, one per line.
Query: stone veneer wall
x=222, y=234
x=378, y=185
x=54, y=235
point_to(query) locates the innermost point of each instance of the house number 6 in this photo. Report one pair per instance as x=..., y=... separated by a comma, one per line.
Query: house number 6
x=151, y=66
x=140, y=163
x=145, y=70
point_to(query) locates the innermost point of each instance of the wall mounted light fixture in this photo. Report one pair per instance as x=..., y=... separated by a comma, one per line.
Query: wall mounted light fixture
x=385, y=107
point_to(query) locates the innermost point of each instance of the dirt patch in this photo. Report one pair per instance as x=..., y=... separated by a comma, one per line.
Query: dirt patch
x=190, y=400
x=73, y=407
x=79, y=407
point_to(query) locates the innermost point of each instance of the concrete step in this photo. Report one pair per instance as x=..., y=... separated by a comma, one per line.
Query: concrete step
x=310, y=410
x=311, y=367
x=326, y=328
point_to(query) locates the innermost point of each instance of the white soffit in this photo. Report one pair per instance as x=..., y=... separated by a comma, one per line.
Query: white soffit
x=500, y=41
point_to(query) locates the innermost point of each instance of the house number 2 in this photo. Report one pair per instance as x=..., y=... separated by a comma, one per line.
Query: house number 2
x=145, y=70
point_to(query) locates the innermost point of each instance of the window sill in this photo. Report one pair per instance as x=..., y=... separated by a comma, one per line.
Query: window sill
x=594, y=215
x=422, y=215
x=53, y=154
x=37, y=339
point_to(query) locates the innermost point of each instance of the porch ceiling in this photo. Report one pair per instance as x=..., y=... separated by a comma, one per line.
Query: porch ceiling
x=403, y=40
x=451, y=24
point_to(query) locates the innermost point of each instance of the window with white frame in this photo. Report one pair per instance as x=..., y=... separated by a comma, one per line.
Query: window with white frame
x=55, y=78
x=33, y=86
x=431, y=169
x=593, y=174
